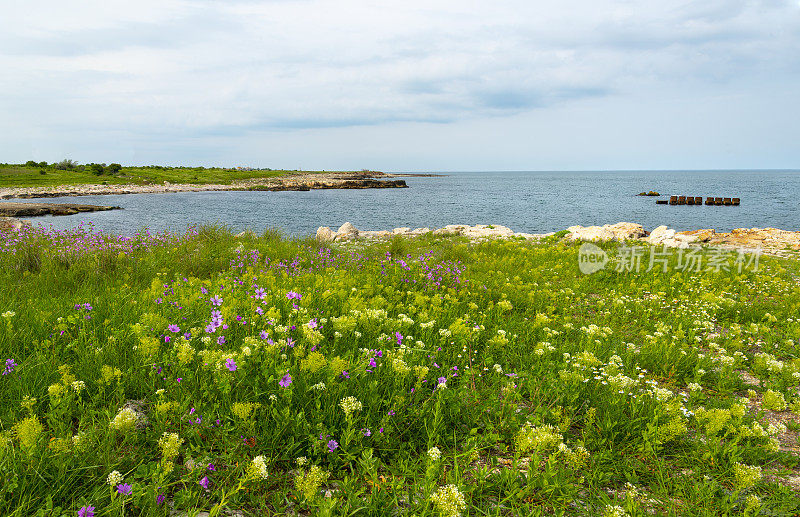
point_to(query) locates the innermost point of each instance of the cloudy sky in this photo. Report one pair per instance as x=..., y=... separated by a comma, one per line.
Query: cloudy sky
x=403, y=85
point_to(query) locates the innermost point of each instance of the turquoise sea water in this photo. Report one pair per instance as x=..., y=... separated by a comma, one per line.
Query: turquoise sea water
x=524, y=201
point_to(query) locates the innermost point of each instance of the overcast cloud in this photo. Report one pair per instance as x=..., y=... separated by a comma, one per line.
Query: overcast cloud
x=403, y=85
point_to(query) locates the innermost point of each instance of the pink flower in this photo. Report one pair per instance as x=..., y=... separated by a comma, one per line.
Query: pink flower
x=285, y=381
x=204, y=482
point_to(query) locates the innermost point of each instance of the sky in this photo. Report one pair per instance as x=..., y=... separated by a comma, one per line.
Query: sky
x=403, y=85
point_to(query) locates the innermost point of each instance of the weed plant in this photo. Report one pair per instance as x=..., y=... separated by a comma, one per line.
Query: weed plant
x=430, y=376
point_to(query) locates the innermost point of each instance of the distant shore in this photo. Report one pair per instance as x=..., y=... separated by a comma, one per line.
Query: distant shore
x=295, y=181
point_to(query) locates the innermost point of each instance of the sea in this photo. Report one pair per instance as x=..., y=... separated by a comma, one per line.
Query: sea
x=525, y=201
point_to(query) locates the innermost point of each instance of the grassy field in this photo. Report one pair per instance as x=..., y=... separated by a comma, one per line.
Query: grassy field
x=411, y=377
x=36, y=176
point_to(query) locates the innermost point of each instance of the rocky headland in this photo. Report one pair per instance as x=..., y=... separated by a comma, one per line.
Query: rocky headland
x=36, y=209
x=297, y=181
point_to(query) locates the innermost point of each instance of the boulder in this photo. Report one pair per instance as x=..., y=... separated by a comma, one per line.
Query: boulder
x=347, y=229
x=381, y=234
x=400, y=231
x=589, y=233
x=699, y=235
x=624, y=231
x=487, y=230
x=346, y=232
x=451, y=229
x=609, y=232
x=325, y=234
x=534, y=236
x=758, y=237
x=660, y=234
x=11, y=224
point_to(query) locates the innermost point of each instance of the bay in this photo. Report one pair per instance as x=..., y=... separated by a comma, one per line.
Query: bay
x=534, y=202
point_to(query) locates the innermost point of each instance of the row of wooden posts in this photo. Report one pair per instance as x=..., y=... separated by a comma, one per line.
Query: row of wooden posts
x=693, y=200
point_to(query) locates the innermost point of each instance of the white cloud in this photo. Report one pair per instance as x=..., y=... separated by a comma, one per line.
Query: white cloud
x=195, y=71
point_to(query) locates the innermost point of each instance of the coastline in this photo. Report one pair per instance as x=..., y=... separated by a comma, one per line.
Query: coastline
x=772, y=241
x=296, y=181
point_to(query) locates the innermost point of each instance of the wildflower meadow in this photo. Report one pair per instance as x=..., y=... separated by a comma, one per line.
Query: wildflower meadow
x=167, y=374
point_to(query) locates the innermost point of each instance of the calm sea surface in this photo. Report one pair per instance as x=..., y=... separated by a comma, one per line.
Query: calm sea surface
x=524, y=201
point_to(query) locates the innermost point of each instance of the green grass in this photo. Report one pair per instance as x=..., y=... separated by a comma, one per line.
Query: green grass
x=23, y=176
x=562, y=393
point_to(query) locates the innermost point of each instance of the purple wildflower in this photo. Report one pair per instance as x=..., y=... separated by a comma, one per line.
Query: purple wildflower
x=160, y=499
x=10, y=366
x=290, y=342
x=285, y=381
x=293, y=295
x=216, y=301
x=204, y=482
x=333, y=445
x=86, y=511
x=263, y=334
x=211, y=467
x=124, y=489
x=174, y=328
x=367, y=432
x=221, y=341
x=230, y=364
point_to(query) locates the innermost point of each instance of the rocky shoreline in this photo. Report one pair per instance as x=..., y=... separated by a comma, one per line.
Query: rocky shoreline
x=769, y=240
x=37, y=209
x=296, y=182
